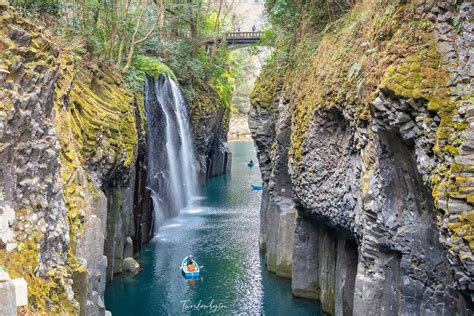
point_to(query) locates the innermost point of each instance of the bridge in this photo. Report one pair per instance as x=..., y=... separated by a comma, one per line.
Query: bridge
x=237, y=40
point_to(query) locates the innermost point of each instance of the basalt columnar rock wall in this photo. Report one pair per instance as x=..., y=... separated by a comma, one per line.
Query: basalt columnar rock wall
x=71, y=162
x=366, y=157
x=210, y=121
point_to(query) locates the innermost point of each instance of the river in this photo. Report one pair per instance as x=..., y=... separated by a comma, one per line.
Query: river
x=222, y=233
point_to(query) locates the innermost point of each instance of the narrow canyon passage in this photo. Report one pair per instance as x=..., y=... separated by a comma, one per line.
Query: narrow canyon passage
x=222, y=233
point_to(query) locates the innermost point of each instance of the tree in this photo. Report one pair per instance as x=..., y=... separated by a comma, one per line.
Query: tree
x=135, y=42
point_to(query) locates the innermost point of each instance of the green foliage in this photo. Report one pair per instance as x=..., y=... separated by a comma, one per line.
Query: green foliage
x=97, y=28
x=20, y=247
x=283, y=13
x=135, y=79
x=40, y=6
x=217, y=71
x=152, y=66
x=297, y=23
x=207, y=23
x=456, y=21
x=145, y=65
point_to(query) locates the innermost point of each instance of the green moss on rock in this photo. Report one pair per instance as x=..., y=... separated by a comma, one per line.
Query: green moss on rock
x=264, y=90
x=45, y=294
x=96, y=127
x=350, y=58
x=152, y=67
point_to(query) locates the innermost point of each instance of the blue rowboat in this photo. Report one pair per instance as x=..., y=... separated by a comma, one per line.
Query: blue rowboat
x=188, y=274
x=256, y=187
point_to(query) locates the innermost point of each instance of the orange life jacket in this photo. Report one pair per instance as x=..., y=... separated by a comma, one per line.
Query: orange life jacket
x=191, y=267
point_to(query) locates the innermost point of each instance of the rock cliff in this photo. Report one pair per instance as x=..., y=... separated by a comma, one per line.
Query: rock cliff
x=364, y=148
x=74, y=203
x=69, y=138
x=210, y=120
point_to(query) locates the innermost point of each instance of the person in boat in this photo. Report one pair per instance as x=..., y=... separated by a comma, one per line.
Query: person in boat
x=190, y=264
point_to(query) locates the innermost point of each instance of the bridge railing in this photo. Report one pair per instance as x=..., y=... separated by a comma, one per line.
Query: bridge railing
x=243, y=35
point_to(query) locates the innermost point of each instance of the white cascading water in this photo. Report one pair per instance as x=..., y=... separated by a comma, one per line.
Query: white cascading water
x=187, y=152
x=172, y=145
x=172, y=173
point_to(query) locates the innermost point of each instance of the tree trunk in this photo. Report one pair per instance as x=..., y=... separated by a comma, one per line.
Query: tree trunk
x=162, y=16
x=217, y=29
x=194, y=31
x=123, y=33
x=114, y=30
x=133, y=42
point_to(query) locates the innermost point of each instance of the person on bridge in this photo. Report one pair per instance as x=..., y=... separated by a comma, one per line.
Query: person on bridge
x=254, y=28
x=238, y=29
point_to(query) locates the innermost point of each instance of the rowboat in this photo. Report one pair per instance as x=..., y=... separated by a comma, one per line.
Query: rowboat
x=256, y=187
x=189, y=274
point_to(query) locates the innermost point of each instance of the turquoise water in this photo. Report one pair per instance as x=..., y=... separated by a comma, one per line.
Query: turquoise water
x=222, y=234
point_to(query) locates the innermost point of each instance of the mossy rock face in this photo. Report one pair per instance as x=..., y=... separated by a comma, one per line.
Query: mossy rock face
x=80, y=285
x=45, y=293
x=264, y=90
x=207, y=105
x=389, y=49
x=92, y=134
x=96, y=123
x=349, y=61
x=375, y=47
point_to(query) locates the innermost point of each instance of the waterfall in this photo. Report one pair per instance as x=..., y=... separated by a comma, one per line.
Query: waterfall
x=172, y=173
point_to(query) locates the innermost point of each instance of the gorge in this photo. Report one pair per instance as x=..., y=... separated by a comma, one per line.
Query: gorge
x=115, y=161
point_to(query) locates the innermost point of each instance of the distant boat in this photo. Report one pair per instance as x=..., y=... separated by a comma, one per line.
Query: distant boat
x=256, y=187
x=250, y=164
x=190, y=274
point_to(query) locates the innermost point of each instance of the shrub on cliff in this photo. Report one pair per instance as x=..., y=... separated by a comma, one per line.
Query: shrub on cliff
x=146, y=65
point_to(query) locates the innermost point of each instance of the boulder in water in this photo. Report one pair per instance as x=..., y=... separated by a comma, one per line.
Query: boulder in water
x=130, y=265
